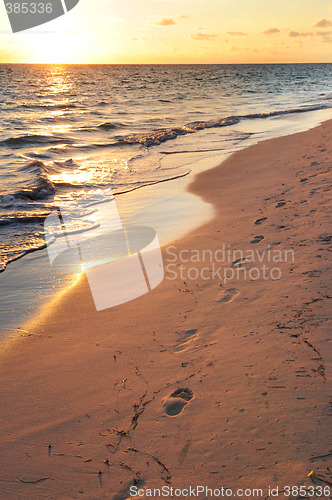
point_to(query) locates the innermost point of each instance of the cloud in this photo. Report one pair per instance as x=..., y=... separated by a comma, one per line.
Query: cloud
x=271, y=31
x=204, y=36
x=295, y=34
x=236, y=33
x=166, y=21
x=324, y=33
x=326, y=36
x=141, y=38
x=323, y=23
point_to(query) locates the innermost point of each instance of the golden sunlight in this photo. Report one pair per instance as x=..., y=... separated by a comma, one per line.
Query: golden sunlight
x=56, y=48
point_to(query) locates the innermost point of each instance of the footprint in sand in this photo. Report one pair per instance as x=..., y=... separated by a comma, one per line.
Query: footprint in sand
x=176, y=401
x=185, y=339
x=229, y=295
x=258, y=222
x=257, y=239
x=238, y=263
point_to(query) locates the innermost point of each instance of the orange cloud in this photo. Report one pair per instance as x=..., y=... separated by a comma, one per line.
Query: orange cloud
x=166, y=21
x=236, y=33
x=204, y=36
x=323, y=23
x=326, y=36
x=271, y=31
x=295, y=34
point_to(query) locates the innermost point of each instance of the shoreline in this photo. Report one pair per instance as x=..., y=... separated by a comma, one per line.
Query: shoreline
x=34, y=267
x=227, y=384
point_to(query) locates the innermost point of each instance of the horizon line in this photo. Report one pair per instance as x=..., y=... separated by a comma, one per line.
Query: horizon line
x=160, y=64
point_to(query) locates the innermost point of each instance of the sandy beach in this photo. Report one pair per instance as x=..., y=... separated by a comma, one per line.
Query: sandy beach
x=219, y=377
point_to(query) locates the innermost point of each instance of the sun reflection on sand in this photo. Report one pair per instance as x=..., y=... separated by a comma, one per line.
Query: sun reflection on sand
x=12, y=336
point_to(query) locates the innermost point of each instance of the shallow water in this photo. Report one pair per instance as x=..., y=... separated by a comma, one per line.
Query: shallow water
x=74, y=132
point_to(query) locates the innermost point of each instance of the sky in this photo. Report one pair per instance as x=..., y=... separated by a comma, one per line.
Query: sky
x=176, y=31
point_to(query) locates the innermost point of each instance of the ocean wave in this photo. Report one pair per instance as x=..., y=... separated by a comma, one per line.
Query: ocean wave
x=59, y=166
x=6, y=201
x=35, y=166
x=27, y=140
x=110, y=125
x=22, y=219
x=49, y=106
x=42, y=187
x=162, y=135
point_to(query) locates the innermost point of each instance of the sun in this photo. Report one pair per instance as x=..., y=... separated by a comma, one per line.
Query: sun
x=56, y=48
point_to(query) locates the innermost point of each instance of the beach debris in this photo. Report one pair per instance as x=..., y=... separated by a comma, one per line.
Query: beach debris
x=34, y=481
x=84, y=459
x=163, y=466
x=121, y=432
x=139, y=409
x=313, y=476
x=125, y=466
x=165, y=474
x=316, y=457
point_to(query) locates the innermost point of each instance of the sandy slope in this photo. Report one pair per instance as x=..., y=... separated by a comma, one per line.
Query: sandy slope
x=198, y=382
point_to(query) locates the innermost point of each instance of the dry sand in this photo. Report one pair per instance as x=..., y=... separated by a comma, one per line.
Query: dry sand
x=202, y=382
